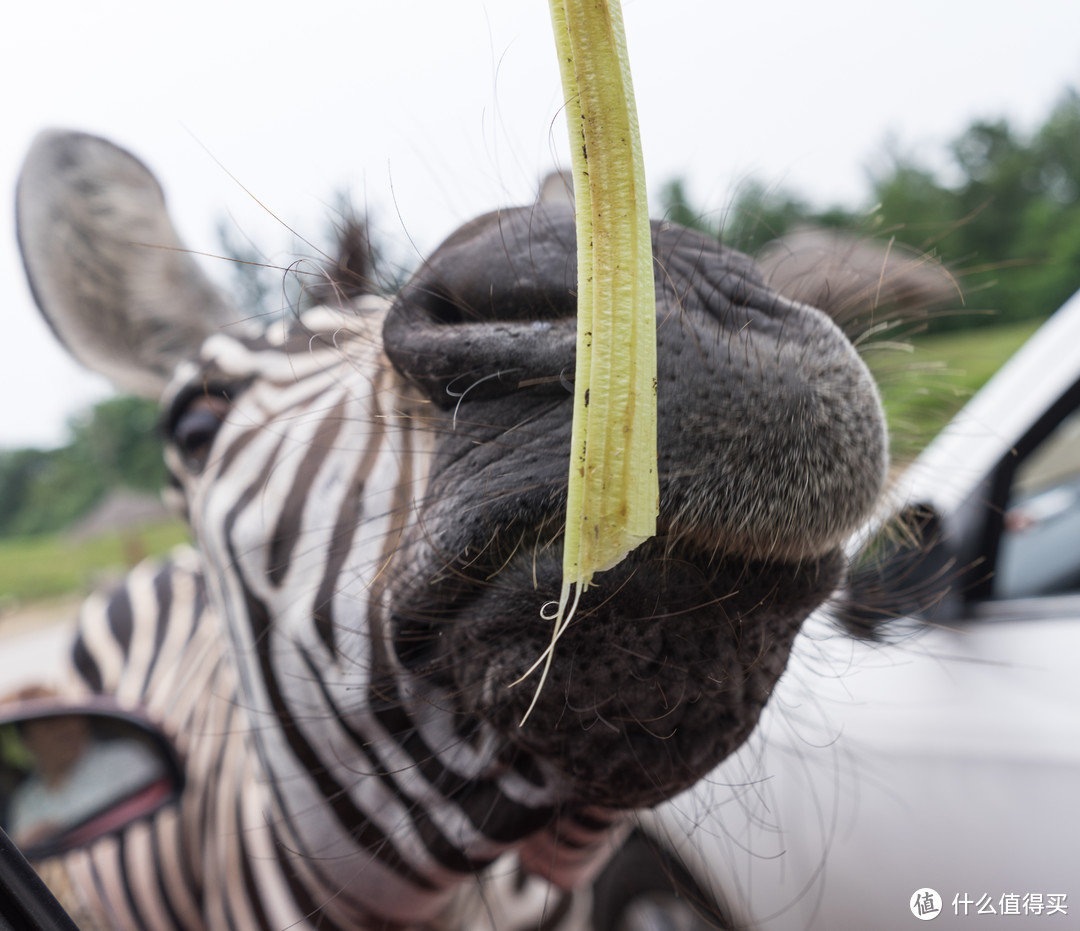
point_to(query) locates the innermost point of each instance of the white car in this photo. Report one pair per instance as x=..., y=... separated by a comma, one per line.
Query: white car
x=933, y=774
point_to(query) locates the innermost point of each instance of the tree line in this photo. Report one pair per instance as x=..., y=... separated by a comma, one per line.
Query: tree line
x=114, y=444
x=1005, y=219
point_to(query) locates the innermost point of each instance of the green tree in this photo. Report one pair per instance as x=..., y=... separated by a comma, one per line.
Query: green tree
x=759, y=214
x=675, y=206
x=910, y=204
x=1009, y=227
x=120, y=438
x=42, y=491
x=20, y=470
x=1006, y=222
x=115, y=443
x=756, y=215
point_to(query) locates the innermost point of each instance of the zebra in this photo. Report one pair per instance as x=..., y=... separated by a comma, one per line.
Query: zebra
x=375, y=493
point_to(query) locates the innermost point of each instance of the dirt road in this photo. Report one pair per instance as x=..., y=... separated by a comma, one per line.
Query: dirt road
x=33, y=640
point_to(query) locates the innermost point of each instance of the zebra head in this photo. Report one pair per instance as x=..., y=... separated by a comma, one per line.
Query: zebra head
x=377, y=492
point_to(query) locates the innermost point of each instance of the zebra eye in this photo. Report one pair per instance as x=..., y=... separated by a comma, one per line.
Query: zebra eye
x=193, y=424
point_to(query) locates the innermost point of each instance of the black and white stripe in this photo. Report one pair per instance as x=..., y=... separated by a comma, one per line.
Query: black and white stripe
x=228, y=856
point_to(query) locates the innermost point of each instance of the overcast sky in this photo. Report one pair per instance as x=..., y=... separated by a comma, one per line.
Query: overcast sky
x=433, y=111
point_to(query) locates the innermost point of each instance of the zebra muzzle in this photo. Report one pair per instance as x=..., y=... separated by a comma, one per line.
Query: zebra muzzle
x=662, y=674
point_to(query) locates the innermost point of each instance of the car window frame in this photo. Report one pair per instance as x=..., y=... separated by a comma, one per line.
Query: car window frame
x=980, y=596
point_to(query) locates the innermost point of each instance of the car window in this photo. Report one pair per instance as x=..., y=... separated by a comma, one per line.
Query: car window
x=1039, y=549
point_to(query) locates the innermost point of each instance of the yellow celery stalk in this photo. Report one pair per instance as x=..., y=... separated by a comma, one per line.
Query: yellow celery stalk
x=613, y=492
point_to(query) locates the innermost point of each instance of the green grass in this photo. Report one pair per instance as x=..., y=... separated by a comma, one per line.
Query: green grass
x=923, y=386
x=47, y=565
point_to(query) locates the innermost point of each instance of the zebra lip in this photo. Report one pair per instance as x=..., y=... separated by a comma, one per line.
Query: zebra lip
x=563, y=865
x=661, y=675
x=669, y=659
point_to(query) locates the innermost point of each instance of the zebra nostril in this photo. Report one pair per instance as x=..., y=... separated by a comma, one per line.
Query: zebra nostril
x=454, y=359
x=492, y=310
x=442, y=309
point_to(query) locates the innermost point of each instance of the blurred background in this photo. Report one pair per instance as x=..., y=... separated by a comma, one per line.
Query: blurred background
x=952, y=131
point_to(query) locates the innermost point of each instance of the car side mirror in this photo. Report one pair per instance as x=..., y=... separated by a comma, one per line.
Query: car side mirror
x=907, y=569
x=72, y=772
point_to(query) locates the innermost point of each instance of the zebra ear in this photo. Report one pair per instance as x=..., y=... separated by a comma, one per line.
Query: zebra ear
x=105, y=265
x=850, y=276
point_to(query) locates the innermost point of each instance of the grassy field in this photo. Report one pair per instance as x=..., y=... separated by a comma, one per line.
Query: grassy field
x=922, y=388
x=43, y=566
x=924, y=385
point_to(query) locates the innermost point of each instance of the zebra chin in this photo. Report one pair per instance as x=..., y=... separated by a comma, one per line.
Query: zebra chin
x=662, y=673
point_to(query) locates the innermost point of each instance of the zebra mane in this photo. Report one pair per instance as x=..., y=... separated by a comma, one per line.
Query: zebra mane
x=352, y=272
